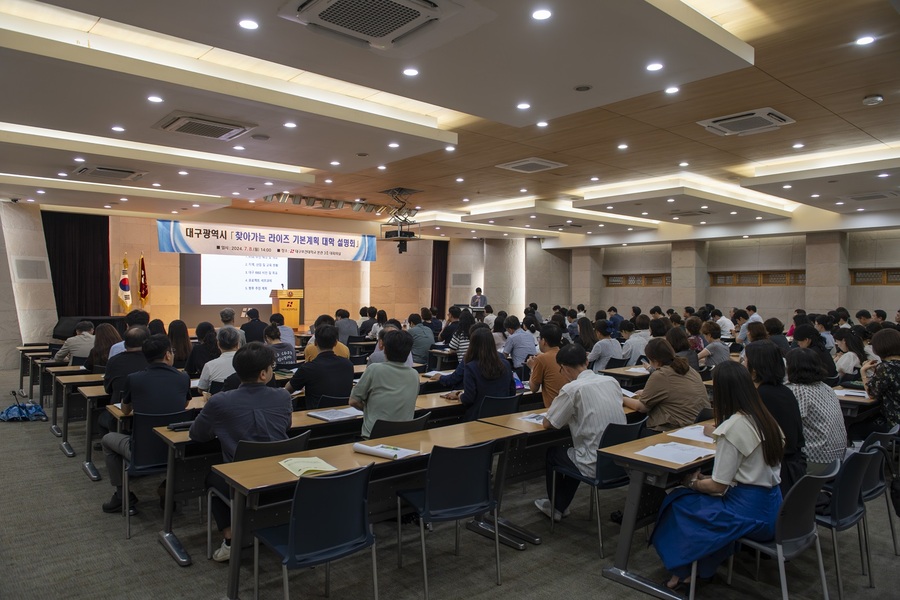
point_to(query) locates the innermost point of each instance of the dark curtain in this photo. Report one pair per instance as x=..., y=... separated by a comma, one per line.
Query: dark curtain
x=78, y=249
x=440, y=253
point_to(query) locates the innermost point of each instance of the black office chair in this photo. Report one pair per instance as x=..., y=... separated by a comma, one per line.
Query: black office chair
x=607, y=475
x=215, y=387
x=457, y=486
x=615, y=363
x=249, y=450
x=353, y=348
x=382, y=428
x=360, y=359
x=706, y=373
x=705, y=414
x=329, y=520
x=641, y=360
x=149, y=454
x=795, y=530
x=494, y=406
x=77, y=361
x=847, y=509
x=874, y=483
x=326, y=401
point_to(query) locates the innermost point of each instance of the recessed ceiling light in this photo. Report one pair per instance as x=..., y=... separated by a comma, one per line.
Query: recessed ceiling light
x=436, y=228
x=174, y=212
x=450, y=148
x=393, y=145
x=78, y=159
x=285, y=192
x=41, y=192
x=672, y=90
x=734, y=212
x=335, y=163
x=329, y=181
x=471, y=231
x=123, y=199
x=787, y=186
x=118, y=128
x=532, y=217
x=523, y=106
x=542, y=123
x=860, y=209
x=107, y=206
x=838, y=203
x=654, y=66
x=631, y=229
x=704, y=207
x=884, y=174
x=61, y=174
x=703, y=222
x=417, y=208
x=195, y=205
x=410, y=72
x=624, y=244
x=465, y=199
x=268, y=183
x=248, y=24
x=474, y=238
x=252, y=201
x=459, y=180
x=684, y=164
x=29, y=199
x=609, y=208
x=156, y=99
x=798, y=145
x=674, y=218
x=523, y=190
x=622, y=146
x=443, y=234
x=541, y=14
x=491, y=222
x=759, y=218
x=568, y=220
x=560, y=228
x=235, y=193
x=528, y=226
x=644, y=214
x=381, y=167
x=182, y=172
x=814, y=196
x=156, y=184
x=290, y=124
x=865, y=40
x=670, y=199
x=505, y=234
x=602, y=225
x=595, y=179
x=238, y=147
x=745, y=236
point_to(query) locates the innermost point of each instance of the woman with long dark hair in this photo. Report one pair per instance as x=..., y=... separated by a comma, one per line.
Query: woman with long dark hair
x=105, y=335
x=380, y=320
x=499, y=330
x=852, y=352
x=181, y=342
x=702, y=520
x=204, y=351
x=807, y=336
x=460, y=340
x=486, y=373
x=587, y=335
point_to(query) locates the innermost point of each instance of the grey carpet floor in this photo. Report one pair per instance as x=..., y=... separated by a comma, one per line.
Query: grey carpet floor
x=55, y=542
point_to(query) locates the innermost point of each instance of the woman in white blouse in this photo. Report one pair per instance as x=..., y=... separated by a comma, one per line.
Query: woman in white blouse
x=852, y=352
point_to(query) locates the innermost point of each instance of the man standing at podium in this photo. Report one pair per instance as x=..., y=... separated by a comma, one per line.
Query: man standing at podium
x=479, y=300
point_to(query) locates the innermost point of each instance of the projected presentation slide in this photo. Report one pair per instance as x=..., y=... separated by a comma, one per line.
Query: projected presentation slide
x=240, y=280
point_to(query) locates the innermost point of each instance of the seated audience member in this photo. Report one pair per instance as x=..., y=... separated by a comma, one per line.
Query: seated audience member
x=766, y=365
x=851, y=352
x=159, y=389
x=485, y=373
x=537, y=314
x=634, y=345
x=134, y=318
x=741, y=319
x=756, y=331
x=605, y=348
x=287, y=334
x=635, y=313
x=799, y=318
x=775, y=329
x=380, y=319
x=519, y=342
x=587, y=335
x=460, y=340
x=824, y=324
x=725, y=325
x=823, y=421
x=328, y=375
x=499, y=331
x=863, y=317
x=254, y=329
x=692, y=326
x=218, y=369
x=842, y=316
x=79, y=345
x=674, y=394
x=452, y=325
x=716, y=351
x=430, y=322
x=881, y=379
x=879, y=316
x=105, y=336
x=545, y=372
x=656, y=313
x=388, y=390
x=122, y=365
x=682, y=346
x=363, y=316
x=310, y=351
x=615, y=319
x=582, y=311
x=156, y=326
x=285, y=354
x=489, y=316
x=454, y=380
x=560, y=321
x=227, y=317
x=346, y=326
x=423, y=338
x=377, y=355
x=233, y=382
x=586, y=405
x=806, y=336
x=254, y=412
x=181, y=343
x=204, y=351
x=702, y=520
x=572, y=323
x=600, y=315
x=365, y=324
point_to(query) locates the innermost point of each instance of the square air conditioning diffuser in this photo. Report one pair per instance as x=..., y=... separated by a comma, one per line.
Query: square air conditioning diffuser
x=203, y=126
x=747, y=123
x=531, y=165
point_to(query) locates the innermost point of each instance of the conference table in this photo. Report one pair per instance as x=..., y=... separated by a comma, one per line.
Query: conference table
x=24, y=352
x=63, y=386
x=93, y=394
x=49, y=372
x=34, y=368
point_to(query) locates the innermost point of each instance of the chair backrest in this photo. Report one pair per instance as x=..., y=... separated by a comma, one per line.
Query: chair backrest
x=615, y=363
x=641, y=360
x=148, y=450
x=326, y=401
x=328, y=512
x=705, y=414
x=735, y=348
x=360, y=359
x=874, y=479
x=797, y=515
x=846, y=498
x=494, y=406
x=458, y=478
x=382, y=428
x=77, y=361
x=248, y=450
x=216, y=386
x=614, y=434
x=706, y=373
x=99, y=369
x=356, y=338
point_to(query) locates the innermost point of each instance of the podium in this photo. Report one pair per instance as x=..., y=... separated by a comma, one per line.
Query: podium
x=287, y=302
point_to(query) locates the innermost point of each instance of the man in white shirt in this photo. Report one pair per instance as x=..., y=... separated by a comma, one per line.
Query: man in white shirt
x=723, y=322
x=79, y=345
x=218, y=369
x=633, y=348
x=586, y=405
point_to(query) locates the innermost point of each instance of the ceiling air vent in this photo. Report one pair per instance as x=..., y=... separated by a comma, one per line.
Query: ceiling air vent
x=531, y=165
x=203, y=126
x=872, y=196
x=378, y=24
x=690, y=213
x=108, y=173
x=747, y=123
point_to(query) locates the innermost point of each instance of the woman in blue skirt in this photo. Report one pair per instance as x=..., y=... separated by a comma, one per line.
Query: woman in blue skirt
x=702, y=520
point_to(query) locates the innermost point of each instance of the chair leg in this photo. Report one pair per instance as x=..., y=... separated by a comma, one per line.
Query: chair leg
x=284, y=580
x=374, y=571
x=756, y=576
x=595, y=496
x=890, y=510
x=399, y=550
x=837, y=565
x=457, y=536
x=552, y=500
x=209, y=551
x=781, y=574
x=497, y=541
x=255, y=568
x=328, y=579
x=591, y=506
x=693, y=580
x=424, y=560
x=866, y=538
x=730, y=569
x=821, y=568
x=126, y=505
x=862, y=558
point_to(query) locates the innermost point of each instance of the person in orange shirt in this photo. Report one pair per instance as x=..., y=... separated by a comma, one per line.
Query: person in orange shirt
x=544, y=370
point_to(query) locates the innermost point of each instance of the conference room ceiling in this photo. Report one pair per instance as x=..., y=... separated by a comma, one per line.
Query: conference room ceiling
x=72, y=76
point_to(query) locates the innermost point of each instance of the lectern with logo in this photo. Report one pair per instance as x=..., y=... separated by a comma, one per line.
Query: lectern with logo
x=288, y=302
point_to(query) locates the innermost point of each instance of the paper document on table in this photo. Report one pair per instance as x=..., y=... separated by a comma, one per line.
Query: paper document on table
x=673, y=452
x=433, y=373
x=194, y=382
x=118, y=405
x=627, y=393
x=384, y=451
x=856, y=393
x=693, y=432
x=301, y=466
x=336, y=414
x=640, y=370
x=536, y=418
